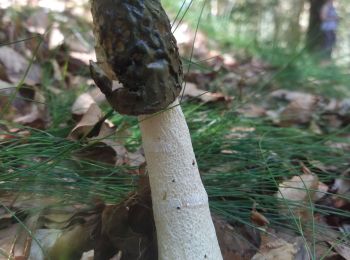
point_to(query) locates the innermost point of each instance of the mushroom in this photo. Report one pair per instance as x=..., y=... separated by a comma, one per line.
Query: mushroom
x=135, y=46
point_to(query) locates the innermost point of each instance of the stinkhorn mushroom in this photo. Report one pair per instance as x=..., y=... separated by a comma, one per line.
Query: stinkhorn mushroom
x=135, y=46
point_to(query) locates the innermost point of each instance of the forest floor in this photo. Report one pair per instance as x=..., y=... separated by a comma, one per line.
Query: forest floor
x=271, y=133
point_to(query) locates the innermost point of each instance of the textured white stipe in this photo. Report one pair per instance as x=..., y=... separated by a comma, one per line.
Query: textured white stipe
x=195, y=200
x=162, y=146
x=185, y=230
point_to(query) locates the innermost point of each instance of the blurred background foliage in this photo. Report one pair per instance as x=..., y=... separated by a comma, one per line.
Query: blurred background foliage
x=267, y=23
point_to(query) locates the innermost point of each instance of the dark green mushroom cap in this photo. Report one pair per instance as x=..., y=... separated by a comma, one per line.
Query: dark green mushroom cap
x=135, y=46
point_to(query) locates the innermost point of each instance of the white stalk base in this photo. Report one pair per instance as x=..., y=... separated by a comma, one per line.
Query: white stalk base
x=185, y=230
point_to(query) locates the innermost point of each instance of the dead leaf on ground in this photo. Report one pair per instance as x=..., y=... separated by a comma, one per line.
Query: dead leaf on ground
x=89, y=120
x=340, y=199
x=5, y=92
x=342, y=184
x=293, y=96
x=298, y=189
x=252, y=110
x=274, y=248
x=27, y=106
x=73, y=65
x=89, y=255
x=37, y=115
x=105, y=151
x=85, y=100
x=64, y=232
x=97, y=95
x=38, y=22
x=341, y=249
x=7, y=237
x=258, y=219
x=82, y=104
x=298, y=112
x=191, y=90
x=15, y=241
x=46, y=238
x=217, y=61
x=136, y=159
x=236, y=242
x=344, y=108
x=16, y=66
x=200, y=78
x=56, y=37
x=104, y=147
x=118, y=256
x=321, y=192
x=240, y=132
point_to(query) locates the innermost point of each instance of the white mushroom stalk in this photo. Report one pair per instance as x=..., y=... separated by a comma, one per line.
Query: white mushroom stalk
x=180, y=203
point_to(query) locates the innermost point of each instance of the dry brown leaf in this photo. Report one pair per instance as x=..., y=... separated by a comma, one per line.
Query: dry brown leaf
x=342, y=184
x=252, y=110
x=78, y=80
x=114, y=149
x=5, y=91
x=46, y=238
x=7, y=237
x=239, y=132
x=13, y=133
x=57, y=73
x=344, y=108
x=105, y=149
x=16, y=66
x=74, y=240
x=107, y=130
x=274, y=248
x=200, y=78
x=97, y=95
x=228, y=152
x=258, y=218
x=342, y=187
x=305, y=169
x=118, y=256
x=82, y=104
x=86, y=124
x=89, y=255
x=27, y=108
x=38, y=22
x=191, y=90
x=38, y=116
x=293, y=96
x=300, y=109
x=137, y=160
x=322, y=189
x=15, y=241
x=131, y=221
x=76, y=43
x=298, y=112
x=341, y=249
x=71, y=64
x=56, y=37
x=84, y=101
x=298, y=189
x=83, y=56
x=120, y=152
